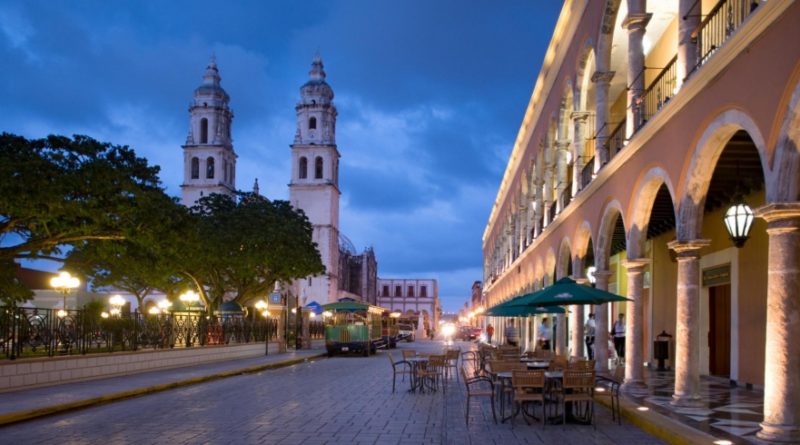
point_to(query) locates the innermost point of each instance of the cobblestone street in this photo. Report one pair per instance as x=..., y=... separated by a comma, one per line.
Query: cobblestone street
x=344, y=400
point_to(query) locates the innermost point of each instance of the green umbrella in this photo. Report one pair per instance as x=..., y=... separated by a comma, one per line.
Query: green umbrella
x=566, y=292
x=510, y=309
x=523, y=311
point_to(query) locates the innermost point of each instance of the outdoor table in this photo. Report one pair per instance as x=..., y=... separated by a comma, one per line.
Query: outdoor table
x=415, y=364
x=538, y=364
x=505, y=379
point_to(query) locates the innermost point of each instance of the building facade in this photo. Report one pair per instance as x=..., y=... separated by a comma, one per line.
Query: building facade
x=314, y=186
x=358, y=274
x=649, y=122
x=209, y=162
x=412, y=298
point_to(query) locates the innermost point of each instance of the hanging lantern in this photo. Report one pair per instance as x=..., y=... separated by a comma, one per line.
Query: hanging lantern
x=738, y=221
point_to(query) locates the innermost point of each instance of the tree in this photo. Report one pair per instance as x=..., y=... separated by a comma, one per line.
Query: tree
x=59, y=191
x=245, y=246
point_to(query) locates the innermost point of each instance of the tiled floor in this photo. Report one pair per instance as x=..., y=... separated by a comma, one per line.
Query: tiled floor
x=727, y=412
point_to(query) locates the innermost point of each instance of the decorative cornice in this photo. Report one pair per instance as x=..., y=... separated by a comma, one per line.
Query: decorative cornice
x=688, y=248
x=600, y=77
x=636, y=21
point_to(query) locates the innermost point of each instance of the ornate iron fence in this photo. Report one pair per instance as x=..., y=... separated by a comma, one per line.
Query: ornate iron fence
x=33, y=332
x=718, y=26
x=660, y=91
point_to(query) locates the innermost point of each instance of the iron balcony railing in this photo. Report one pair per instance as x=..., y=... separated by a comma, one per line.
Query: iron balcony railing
x=35, y=332
x=718, y=26
x=616, y=139
x=587, y=173
x=551, y=212
x=660, y=91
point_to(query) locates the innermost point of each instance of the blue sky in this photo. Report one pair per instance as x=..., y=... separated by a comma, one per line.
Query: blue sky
x=430, y=97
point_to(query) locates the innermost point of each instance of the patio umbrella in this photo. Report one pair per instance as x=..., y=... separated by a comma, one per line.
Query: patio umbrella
x=566, y=292
x=523, y=311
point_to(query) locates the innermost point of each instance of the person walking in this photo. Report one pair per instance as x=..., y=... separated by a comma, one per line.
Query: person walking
x=618, y=332
x=543, y=335
x=489, y=332
x=588, y=329
x=512, y=334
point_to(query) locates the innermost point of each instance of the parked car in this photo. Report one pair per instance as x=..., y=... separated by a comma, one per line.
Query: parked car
x=405, y=332
x=468, y=333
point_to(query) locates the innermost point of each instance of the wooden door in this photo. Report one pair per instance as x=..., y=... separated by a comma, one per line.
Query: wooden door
x=719, y=330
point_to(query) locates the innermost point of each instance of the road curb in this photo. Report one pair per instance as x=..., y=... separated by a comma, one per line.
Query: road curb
x=20, y=416
x=659, y=425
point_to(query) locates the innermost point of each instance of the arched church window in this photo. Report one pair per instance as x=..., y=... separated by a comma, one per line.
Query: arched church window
x=204, y=131
x=312, y=123
x=195, y=168
x=318, y=168
x=303, y=168
x=210, y=168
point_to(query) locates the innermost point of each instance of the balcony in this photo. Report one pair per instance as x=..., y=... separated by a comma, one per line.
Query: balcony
x=718, y=26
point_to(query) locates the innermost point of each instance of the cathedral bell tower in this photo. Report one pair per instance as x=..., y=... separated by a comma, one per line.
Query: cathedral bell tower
x=315, y=180
x=209, y=162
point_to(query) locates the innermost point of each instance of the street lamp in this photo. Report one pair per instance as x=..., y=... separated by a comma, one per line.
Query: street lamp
x=189, y=298
x=164, y=305
x=738, y=220
x=64, y=283
x=263, y=307
x=116, y=303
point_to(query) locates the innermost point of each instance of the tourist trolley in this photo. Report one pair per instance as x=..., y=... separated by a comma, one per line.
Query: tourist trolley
x=351, y=326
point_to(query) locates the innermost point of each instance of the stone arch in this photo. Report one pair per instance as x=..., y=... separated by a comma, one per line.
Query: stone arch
x=583, y=75
x=606, y=35
x=784, y=185
x=605, y=233
x=582, y=237
x=709, y=147
x=550, y=266
x=641, y=205
x=538, y=272
x=564, y=258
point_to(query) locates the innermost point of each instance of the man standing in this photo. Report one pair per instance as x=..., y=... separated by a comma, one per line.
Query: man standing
x=489, y=332
x=543, y=335
x=512, y=334
x=588, y=330
x=618, y=332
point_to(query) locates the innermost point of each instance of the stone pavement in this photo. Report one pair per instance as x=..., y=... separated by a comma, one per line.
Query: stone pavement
x=30, y=403
x=344, y=400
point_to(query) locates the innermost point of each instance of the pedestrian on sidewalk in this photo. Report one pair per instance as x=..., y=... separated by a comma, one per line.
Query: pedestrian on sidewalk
x=588, y=329
x=489, y=332
x=618, y=332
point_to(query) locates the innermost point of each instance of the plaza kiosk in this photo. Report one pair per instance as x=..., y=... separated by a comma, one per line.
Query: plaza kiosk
x=355, y=327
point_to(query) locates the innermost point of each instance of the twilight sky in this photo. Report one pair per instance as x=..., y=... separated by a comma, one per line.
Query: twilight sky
x=430, y=96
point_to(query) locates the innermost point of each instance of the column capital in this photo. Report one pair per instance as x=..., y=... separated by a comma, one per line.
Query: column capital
x=636, y=21
x=562, y=144
x=780, y=214
x=603, y=77
x=688, y=248
x=635, y=265
x=580, y=116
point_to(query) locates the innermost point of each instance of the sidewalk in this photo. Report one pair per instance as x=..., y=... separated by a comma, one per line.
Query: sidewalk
x=27, y=404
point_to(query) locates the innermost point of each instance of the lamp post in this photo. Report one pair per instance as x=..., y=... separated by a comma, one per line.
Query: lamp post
x=189, y=298
x=263, y=308
x=116, y=303
x=64, y=283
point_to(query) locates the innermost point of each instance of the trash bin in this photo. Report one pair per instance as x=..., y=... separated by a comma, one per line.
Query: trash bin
x=661, y=349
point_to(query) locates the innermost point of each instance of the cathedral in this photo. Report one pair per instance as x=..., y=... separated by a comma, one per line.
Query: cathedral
x=210, y=167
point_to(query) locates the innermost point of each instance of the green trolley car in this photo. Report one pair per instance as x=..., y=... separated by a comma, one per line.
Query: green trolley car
x=352, y=326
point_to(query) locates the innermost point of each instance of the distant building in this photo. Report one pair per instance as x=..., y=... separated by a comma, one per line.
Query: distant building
x=477, y=295
x=411, y=297
x=358, y=274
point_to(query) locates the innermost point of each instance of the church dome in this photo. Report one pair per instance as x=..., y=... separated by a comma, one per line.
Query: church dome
x=211, y=88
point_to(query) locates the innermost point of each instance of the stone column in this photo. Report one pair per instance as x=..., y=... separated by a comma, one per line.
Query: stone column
x=561, y=334
x=635, y=23
x=601, y=323
x=549, y=179
x=562, y=164
x=602, y=80
x=576, y=318
x=782, y=368
x=688, y=19
x=634, y=347
x=578, y=153
x=687, y=324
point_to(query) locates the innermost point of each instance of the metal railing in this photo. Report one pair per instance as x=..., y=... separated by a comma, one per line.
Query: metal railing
x=616, y=139
x=587, y=173
x=36, y=332
x=717, y=27
x=660, y=91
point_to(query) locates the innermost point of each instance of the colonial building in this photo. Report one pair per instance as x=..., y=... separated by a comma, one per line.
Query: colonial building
x=653, y=127
x=209, y=162
x=412, y=298
x=314, y=186
x=358, y=274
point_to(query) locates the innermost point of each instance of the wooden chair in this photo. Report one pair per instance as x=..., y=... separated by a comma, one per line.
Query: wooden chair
x=609, y=387
x=472, y=359
x=578, y=389
x=404, y=368
x=528, y=388
x=478, y=386
x=451, y=356
x=408, y=353
x=582, y=365
x=433, y=371
x=559, y=363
